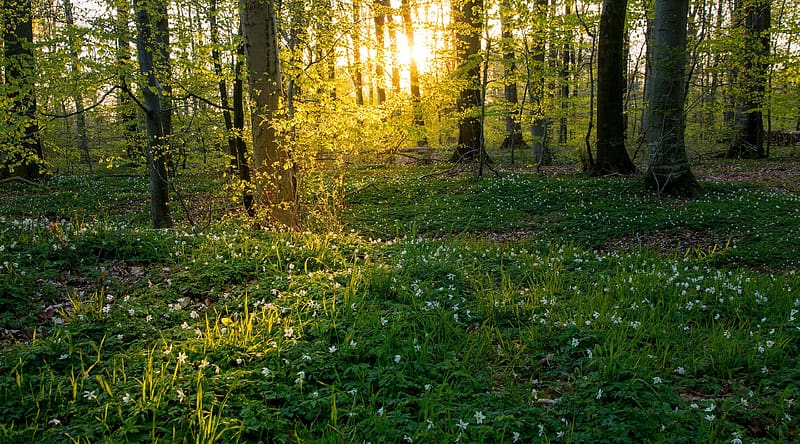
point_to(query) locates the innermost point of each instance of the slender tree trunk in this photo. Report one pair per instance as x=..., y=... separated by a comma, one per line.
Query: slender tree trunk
x=393, y=50
x=80, y=118
x=126, y=109
x=536, y=81
x=163, y=66
x=748, y=137
x=563, y=74
x=241, y=155
x=157, y=149
x=222, y=85
x=668, y=165
x=416, y=96
x=468, y=19
x=275, y=170
x=25, y=157
x=379, y=7
x=612, y=157
x=358, y=78
x=513, y=138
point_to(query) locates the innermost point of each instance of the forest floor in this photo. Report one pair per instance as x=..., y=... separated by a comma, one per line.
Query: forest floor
x=530, y=307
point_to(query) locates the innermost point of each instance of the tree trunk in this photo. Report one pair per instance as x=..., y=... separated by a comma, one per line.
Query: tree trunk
x=157, y=149
x=751, y=80
x=416, y=96
x=563, y=74
x=468, y=20
x=80, y=118
x=222, y=85
x=242, y=161
x=612, y=157
x=275, y=171
x=24, y=157
x=379, y=7
x=536, y=81
x=126, y=109
x=513, y=138
x=358, y=79
x=668, y=166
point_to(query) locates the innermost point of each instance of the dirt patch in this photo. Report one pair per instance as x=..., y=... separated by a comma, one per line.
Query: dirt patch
x=778, y=175
x=673, y=242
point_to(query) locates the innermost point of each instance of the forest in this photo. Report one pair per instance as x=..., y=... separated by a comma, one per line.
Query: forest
x=353, y=221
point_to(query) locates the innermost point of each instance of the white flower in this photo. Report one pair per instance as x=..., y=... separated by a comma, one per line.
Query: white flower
x=430, y=424
x=515, y=437
x=288, y=332
x=462, y=425
x=397, y=358
x=300, y=377
x=599, y=394
x=353, y=344
x=203, y=364
x=181, y=395
x=479, y=417
x=575, y=342
x=711, y=417
x=332, y=349
x=380, y=411
x=127, y=398
x=589, y=353
x=54, y=422
x=148, y=318
x=90, y=395
x=264, y=371
x=681, y=371
x=182, y=358
x=656, y=380
x=407, y=438
x=64, y=356
x=711, y=408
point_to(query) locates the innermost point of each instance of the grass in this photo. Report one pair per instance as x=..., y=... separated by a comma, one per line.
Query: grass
x=417, y=326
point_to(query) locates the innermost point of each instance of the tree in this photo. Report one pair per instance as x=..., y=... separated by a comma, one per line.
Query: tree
x=408, y=28
x=21, y=153
x=513, y=138
x=126, y=109
x=80, y=118
x=275, y=171
x=157, y=150
x=612, y=157
x=468, y=22
x=751, y=80
x=668, y=166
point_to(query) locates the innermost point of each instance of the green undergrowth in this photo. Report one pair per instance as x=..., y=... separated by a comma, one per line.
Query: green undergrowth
x=234, y=334
x=755, y=227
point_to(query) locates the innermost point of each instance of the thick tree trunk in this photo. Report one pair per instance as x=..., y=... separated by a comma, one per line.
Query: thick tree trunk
x=612, y=157
x=563, y=74
x=668, y=168
x=468, y=20
x=157, y=150
x=25, y=157
x=751, y=81
x=274, y=168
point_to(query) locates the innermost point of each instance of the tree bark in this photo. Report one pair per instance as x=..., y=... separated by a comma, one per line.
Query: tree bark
x=751, y=81
x=379, y=10
x=80, y=119
x=24, y=157
x=536, y=82
x=274, y=168
x=668, y=166
x=513, y=138
x=358, y=78
x=126, y=109
x=468, y=21
x=612, y=157
x=416, y=95
x=157, y=149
